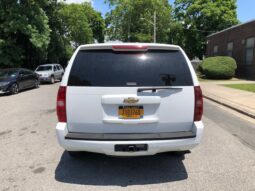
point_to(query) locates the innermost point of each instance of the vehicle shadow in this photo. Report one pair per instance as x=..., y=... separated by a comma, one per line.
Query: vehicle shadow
x=101, y=170
x=4, y=94
x=20, y=92
x=48, y=83
x=29, y=89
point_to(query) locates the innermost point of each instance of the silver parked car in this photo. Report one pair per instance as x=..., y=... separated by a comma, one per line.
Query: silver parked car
x=50, y=72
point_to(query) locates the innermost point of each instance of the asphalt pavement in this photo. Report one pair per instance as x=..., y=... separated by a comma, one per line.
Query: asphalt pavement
x=31, y=159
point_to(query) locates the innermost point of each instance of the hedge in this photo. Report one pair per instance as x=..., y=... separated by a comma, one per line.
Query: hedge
x=219, y=67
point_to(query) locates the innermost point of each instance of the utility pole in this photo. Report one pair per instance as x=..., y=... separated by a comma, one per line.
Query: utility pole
x=155, y=27
x=154, y=23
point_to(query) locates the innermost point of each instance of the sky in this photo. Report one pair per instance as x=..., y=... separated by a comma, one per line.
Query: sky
x=245, y=8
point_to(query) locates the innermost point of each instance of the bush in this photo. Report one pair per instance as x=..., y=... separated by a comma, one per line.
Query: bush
x=219, y=67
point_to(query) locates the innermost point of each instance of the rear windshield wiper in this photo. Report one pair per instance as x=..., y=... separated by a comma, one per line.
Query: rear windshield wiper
x=153, y=89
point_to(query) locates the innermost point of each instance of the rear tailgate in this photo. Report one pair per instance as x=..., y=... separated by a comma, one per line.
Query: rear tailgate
x=104, y=82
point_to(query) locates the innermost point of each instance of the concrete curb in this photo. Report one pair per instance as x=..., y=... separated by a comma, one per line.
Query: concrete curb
x=231, y=106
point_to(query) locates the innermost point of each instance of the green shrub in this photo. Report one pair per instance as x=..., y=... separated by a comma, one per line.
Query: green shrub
x=219, y=67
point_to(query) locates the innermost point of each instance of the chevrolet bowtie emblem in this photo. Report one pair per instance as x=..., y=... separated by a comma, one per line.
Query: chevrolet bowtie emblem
x=131, y=100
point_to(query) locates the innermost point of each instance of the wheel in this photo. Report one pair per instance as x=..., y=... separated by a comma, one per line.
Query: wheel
x=36, y=85
x=74, y=154
x=14, y=89
x=52, y=80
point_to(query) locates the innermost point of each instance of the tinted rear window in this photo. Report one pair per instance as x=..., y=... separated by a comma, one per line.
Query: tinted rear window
x=117, y=69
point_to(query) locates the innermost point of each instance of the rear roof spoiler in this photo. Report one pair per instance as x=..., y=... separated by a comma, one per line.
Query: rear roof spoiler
x=129, y=46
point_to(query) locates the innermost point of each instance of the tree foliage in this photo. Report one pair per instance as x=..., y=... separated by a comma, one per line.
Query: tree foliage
x=75, y=24
x=33, y=32
x=59, y=49
x=132, y=20
x=24, y=32
x=96, y=22
x=199, y=18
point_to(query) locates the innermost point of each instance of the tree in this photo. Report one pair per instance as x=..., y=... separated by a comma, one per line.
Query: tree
x=96, y=22
x=59, y=49
x=199, y=18
x=63, y=25
x=34, y=32
x=24, y=32
x=131, y=20
x=75, y=24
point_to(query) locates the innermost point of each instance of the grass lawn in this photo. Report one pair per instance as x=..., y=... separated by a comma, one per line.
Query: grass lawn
x=246, y=87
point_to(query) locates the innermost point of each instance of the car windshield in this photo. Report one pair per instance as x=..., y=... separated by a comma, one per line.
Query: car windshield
x=44, y=68
x=8, y=73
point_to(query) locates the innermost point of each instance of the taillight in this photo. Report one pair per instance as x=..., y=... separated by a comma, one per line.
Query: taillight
x=130, y=47
x=61, y=104
x=198, y=104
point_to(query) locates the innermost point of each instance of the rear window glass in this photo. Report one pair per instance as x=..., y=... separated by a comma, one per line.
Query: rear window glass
x=119, y=69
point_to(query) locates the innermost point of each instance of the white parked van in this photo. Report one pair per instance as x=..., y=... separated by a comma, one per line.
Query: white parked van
x=129, y=99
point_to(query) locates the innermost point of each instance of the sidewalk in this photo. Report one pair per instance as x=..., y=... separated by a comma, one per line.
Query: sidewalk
x=239, y=100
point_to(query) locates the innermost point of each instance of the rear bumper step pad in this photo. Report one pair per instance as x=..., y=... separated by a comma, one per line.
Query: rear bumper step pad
x=130, y=136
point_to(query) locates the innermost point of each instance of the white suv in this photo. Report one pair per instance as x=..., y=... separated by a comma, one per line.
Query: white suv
x=129, y=99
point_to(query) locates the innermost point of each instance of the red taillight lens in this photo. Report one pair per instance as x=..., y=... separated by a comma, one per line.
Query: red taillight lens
x=61, y=104
x=130, y=47
x=198, y=103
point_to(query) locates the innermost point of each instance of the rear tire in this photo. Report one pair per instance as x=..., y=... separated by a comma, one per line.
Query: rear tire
x=14, y=89
x=52, y=80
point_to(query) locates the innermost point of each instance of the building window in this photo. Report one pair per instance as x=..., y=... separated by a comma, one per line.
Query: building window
x=230, y=49
x=249, y=50
x=215, y=50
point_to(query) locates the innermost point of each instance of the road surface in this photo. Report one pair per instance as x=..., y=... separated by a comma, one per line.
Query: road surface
x=31, y=159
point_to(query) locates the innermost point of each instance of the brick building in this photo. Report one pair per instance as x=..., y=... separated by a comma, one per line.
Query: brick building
x=238, y=42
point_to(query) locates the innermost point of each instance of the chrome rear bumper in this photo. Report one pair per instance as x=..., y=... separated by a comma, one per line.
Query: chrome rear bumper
x=130, y=136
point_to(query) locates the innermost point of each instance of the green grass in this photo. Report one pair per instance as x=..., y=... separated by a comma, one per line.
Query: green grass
x=246, y=87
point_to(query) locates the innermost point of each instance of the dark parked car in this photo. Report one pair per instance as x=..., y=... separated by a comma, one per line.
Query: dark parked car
x=15, y=79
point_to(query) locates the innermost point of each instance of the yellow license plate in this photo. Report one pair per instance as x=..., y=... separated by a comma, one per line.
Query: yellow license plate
x=131, y=112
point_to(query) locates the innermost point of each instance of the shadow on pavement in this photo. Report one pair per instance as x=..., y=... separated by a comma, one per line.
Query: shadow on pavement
x=20, y=92
x=48, y=83
x=4, y=94
x=96, y=169
x=29, y=89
